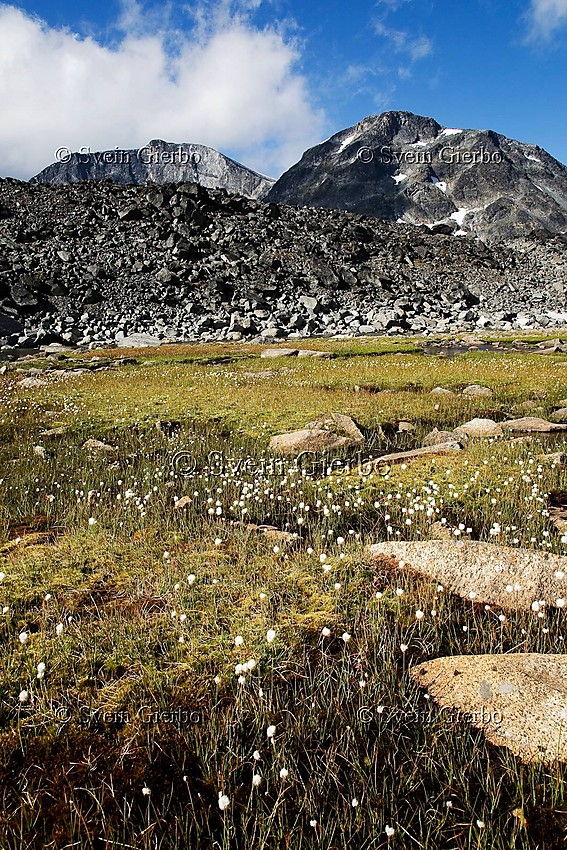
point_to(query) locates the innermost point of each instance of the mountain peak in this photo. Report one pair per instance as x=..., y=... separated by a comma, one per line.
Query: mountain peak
x=404, y=167
x=159, y=162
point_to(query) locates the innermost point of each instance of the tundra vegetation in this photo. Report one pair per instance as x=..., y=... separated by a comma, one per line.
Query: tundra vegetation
x=175, y=674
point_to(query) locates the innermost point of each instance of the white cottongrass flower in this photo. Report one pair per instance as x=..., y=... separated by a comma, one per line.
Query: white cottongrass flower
x=354, y=802
x=419, y=615
x=284, y=773
x=270, y=635
x=271, y=731
x=23, y=637
x=256, y=755
x=40, y=670
x=191, y=579
x=560, y=603
x=325, y=631
x=23, y=696
x=404, y=647
x=346, y=637
x=224, y=802
x=146, y=791
x=256, y=780
x=313, y=823
x=92, y=520
x=480, y=824
x=389, y=830
x=238, y=640
x=2, y=576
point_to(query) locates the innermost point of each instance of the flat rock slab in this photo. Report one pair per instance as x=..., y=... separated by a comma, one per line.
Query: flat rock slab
x=98, y=446
x=436, y=438
x=509, y=578
x=518, y=700
x=265, y=374
x=307, y=352
x=476, y=391
x=31, y=382
x=442, y=391
x=533, y=423
x=413, y=454
x=309, y=440
x=271, y=353
x=559, y=415
x=477, y=428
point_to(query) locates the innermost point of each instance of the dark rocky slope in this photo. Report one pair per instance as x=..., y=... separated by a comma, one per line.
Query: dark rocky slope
x=94, y=262
x=159, y=162
x=403, y=166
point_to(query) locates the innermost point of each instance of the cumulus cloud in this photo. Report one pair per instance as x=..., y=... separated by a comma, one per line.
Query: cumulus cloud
x=224, y=82
x=545, y=17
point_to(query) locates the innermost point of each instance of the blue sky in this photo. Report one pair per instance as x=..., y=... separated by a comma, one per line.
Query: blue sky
x=262, y=80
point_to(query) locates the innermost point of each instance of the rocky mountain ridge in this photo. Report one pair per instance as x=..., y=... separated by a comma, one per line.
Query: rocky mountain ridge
x=93, y=263
x=157, y=162
x=398, y=166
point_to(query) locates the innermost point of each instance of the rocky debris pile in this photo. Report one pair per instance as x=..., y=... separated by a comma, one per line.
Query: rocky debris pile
x=400, y=166
x=518, y=700
x=99, y=263
x=513, y=579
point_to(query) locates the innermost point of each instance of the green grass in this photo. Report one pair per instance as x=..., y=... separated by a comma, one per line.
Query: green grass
x=140, y=689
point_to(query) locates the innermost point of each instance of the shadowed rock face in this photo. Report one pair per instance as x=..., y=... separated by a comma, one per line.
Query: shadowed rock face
x=160, y=162
x=403, y=166
x=519, y=701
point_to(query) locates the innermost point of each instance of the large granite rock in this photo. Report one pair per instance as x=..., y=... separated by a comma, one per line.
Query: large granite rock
x=519, y=701
x=309, y=440
x=513, y=579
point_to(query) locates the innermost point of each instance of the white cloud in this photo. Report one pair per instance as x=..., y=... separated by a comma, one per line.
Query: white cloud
x=545, y=17
x=415, y=47
x=226, y=83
